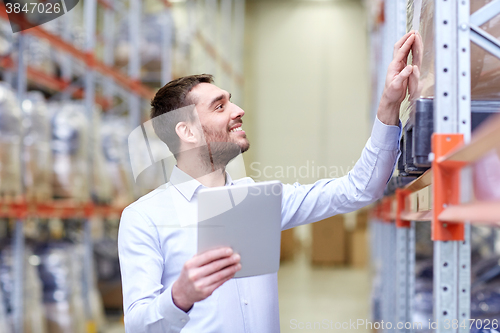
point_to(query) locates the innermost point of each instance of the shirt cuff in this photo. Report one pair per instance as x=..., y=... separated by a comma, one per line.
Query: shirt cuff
x=175, y=316
x=384, y=136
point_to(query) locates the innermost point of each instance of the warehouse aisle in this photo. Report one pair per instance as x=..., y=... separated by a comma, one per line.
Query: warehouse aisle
x=324, y=295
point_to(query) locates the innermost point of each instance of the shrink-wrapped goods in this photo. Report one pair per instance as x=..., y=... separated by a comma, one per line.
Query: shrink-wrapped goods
x=4, y=319
x=10, y=141
x=114, y=136
x=417, y=112
x=37, y=154
x=33, y=305
x=485, y=68
x=40, y=55
x=150, y=42
x=6, y=38
x=61, y=277
x=102, y=188
x=485, y=289
x=72, y=178
x=108, y=271
x=69, y=146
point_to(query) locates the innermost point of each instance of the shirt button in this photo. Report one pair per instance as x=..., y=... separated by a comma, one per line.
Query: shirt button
x=246, y=302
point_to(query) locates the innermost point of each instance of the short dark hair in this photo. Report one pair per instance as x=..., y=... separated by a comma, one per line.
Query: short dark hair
x=173, y=96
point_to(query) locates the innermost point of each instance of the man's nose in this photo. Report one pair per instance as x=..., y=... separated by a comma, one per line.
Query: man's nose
x=237, y=112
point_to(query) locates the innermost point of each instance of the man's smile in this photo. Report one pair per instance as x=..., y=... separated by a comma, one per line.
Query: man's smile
x=237, y=128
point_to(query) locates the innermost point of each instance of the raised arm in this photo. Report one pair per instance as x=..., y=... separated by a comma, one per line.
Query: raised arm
x=366, y=182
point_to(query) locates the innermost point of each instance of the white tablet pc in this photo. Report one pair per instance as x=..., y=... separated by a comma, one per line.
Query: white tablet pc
x=246, y=218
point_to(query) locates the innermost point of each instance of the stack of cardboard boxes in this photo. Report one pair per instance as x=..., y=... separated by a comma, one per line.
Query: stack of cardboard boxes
x=334, y=245
x=357, y=244
x=329, y=241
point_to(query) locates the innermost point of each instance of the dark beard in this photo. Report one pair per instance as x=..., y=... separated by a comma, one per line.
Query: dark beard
x=221, y=150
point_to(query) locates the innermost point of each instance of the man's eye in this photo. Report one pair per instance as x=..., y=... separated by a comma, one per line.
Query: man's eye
x=219, y=107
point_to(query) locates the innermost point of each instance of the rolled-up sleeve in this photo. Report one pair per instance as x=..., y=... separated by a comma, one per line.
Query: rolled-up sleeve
x=146, y=307
x=364, y=184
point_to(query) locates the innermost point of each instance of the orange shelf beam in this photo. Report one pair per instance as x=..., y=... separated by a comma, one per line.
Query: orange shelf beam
x=60, y=209
x=422, y=216
x=58, y=84
x=420, y=183
x=485, y=138
x=401, y=196
x=53, y=83
x=446, y=187
x=482, y=212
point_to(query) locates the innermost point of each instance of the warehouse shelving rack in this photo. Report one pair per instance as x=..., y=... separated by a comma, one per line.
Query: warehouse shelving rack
x=226, y=57
x=116, y=81
x=450, y=179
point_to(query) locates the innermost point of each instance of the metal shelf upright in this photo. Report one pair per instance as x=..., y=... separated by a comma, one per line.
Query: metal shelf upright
x=450, y=178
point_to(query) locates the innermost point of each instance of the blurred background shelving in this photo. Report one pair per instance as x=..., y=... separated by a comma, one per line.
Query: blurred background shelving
x=71, y=91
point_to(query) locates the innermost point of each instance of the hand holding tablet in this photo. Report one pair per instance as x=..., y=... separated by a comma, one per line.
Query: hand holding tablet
x=246, y=218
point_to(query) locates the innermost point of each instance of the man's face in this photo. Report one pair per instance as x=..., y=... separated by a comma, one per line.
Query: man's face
x=219, y=117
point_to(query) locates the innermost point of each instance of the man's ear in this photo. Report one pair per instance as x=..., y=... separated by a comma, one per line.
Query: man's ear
x=185, y=132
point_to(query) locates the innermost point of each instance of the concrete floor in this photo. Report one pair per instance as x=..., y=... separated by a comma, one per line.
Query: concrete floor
x=331, y=297
x=325, y=295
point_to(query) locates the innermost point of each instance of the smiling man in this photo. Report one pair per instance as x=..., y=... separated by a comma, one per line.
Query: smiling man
x=167, y=287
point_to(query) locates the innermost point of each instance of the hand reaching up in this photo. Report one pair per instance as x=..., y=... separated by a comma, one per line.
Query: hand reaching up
x=396, y=82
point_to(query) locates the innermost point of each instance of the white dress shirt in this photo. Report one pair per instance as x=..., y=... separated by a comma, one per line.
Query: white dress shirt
x=158, y=235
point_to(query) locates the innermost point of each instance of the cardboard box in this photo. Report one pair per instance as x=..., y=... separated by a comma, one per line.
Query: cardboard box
x=329, y=241
x=288, y=245
x=358, y=248
x=362, y=219
x=424, y=199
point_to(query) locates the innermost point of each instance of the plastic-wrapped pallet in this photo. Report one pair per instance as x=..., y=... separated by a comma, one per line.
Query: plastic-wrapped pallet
x=102, y=185
x=485, y=289
x=485, y=68
x=94, y=298
x=70, y=148
x=417, y=111
x=33, y=305
x=40, y=55
x=422, y=301
x=114, y=134
x=6, y=38
x=6, y=282
x=34, y=318
x=70, y=151
x=10, y=141
x=150, y=42
x=4, y=320
x=76, y=280
x=37, y=154
x=108, y=272
x=62, y=293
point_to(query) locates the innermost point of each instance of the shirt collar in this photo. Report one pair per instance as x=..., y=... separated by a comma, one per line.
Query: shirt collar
x=187, y=185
